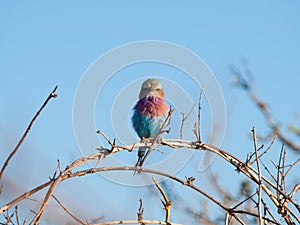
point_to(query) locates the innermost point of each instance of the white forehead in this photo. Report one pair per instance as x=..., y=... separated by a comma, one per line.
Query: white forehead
x=151, y=83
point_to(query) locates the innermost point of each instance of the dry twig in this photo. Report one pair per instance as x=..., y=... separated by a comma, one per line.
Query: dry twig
x=259, y=177
x=197, y=127
x=183, y=119
x=263, y=107
x=51, y=95
x=166, y=203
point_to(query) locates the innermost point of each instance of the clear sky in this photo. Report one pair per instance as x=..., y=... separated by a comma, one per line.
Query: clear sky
x=43, y=44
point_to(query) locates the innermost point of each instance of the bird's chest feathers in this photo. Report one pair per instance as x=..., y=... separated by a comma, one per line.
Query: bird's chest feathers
x=152, y=107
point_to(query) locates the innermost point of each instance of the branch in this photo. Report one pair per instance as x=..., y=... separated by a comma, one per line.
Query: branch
x=167, y=203
x=68, y=211
x=51, y=95
x=259, y=177
x=183, y=120
x=134, y=222
x=197, y=128
x=237, y=163
x=263, y=107
x=55, y=181
x=24, y=196
x=142, y=170
x=139, y=221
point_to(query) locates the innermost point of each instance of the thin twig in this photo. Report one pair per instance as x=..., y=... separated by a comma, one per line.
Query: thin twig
x=197, y=128
x=268, y=148
x=254, y=154
x=183, y=120
x=295, y=189
x=259, y=177
x=268, y=171
x=17, y=215
x=291, y=166
x=105, y=137
x=263, y=107
x=282, y=182
x=68, y=211
x=242, y=202
x=278, y=172
x=51, y=95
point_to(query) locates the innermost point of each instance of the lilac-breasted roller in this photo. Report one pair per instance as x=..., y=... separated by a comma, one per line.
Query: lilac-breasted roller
x=149, y=113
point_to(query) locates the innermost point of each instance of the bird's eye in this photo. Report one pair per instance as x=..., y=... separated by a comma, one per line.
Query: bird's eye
x=157, y=89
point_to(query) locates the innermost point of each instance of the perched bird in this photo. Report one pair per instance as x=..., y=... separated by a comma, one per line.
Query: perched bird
x=149, y=113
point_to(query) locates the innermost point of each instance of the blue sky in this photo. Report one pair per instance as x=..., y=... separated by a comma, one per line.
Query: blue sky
x=44, y=44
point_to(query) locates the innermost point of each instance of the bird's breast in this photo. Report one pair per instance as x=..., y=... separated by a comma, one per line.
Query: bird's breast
x=152, y=106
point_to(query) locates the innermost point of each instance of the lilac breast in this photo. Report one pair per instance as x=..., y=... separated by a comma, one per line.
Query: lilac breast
x=151, y=106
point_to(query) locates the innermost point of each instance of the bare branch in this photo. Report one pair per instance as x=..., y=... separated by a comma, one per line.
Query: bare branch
x=291, y=166
x=259, y=177
x=197, y=127
x=183, y=120
x=166, y=203
x=24, y=196
x=263, y=107
x=51, y=95
x=295, y=189
x=247, y=170
x=268, y=148
x=139, y=221
x=17, y=215
x=68, y=211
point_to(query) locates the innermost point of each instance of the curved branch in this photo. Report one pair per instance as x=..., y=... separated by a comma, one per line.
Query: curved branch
x=174, y=143
x=183, y=182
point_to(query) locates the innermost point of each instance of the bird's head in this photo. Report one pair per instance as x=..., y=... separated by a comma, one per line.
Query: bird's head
x=151, y=87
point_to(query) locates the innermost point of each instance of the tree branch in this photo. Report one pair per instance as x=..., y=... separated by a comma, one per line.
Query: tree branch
x=166, y=203
x=259, y=177
x=51, y=95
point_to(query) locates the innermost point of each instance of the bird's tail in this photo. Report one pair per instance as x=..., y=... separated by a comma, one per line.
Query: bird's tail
x=141, y=153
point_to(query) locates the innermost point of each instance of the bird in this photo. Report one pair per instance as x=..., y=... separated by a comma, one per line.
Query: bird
x=149, y=113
